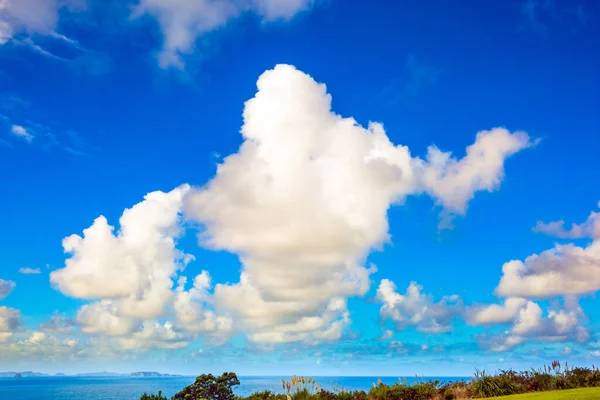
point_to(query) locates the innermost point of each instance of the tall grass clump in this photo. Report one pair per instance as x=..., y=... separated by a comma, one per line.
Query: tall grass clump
x=300, y=387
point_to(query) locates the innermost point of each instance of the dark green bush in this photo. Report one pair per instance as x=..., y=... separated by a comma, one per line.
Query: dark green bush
x=158, y=396
x=209, y=387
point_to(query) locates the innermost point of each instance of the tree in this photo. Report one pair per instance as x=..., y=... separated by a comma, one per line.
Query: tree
x=158, y=396
x=209, y=387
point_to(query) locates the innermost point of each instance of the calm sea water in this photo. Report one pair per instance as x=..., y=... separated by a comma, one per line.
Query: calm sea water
x=127, y=388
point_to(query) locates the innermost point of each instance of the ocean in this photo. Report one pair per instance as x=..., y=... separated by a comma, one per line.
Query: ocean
x=131, y=388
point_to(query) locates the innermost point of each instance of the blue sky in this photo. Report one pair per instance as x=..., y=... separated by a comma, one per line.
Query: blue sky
x=312, y=232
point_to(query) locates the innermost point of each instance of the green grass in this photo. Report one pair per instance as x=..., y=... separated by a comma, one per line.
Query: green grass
x=573, y=394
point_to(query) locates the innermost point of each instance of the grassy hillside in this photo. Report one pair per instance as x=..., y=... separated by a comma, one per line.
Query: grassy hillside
x=573, y=394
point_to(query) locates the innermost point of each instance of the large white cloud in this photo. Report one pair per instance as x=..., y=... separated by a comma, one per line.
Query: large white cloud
x=305, y=200
x=414, y=308
x=183, y=21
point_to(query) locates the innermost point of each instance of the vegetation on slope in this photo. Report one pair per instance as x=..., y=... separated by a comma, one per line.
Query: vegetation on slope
x=551, y=379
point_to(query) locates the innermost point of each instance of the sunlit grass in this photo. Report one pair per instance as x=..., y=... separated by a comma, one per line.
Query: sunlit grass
x=572, y=394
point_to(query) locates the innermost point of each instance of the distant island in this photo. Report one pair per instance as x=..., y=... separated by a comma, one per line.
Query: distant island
x=100, y=374
x=22, y=374
x=138, y=374
x=152, y=374
x=134, y=374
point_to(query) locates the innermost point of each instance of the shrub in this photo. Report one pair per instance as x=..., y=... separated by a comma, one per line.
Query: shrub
x=158, y=396
x=209, y=387
x=503, y=384
x=264, y=395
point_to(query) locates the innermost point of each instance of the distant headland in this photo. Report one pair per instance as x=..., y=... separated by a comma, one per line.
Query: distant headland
x=138, y=374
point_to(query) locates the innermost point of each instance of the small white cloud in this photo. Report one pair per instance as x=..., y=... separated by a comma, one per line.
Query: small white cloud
x=6, y=287
x=57, y=324
x=415, y=308
x=22, y=133
x=154, y=335
x=197, y=353
x=561, y=324
x=495, y=313
x=387, y=334
x=10, y=320
x=563, y=270
x=30, y=271
x=588, y=229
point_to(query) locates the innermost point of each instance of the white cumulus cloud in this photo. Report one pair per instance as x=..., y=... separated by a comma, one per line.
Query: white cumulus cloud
x=132, y=270
x=564, y=270
x=496, y=313
x=305, y=200
x=10, y=320
x=415, y=308
x=561, y=324
x=302, y=203
x=588, y=229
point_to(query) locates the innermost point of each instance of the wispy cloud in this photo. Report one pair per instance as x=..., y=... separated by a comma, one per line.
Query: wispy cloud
x=22, y=133
x=21, y=119
x=13, y=103
x=417, y=75
x=29, y=271
x=541, y=15
x=183, y=22
x=531, y=10
x=24, y=18
x=34, y=25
